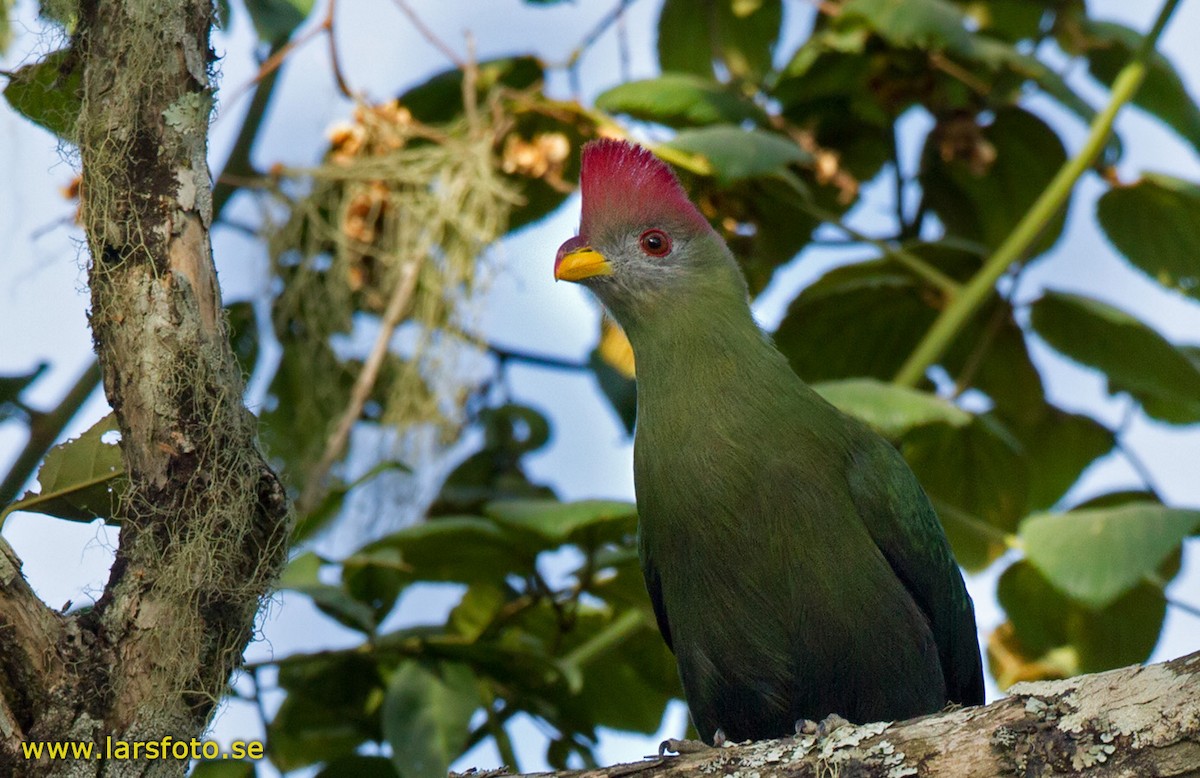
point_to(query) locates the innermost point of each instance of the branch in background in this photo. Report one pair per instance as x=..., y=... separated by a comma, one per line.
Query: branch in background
x=364, y=384
x=954, y=316
x=334, y=60
x=429, y=35
x=1133, y=721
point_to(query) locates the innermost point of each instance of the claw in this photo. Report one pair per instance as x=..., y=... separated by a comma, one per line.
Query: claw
x=830, y=723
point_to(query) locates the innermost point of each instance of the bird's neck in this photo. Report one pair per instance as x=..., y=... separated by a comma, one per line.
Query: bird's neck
x=708, y=355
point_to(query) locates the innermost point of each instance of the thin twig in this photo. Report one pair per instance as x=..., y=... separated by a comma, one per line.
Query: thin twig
x=273, y=62
x=429, y=35
x=364, y=384
x=594, y=34
x=334, y=61
x=1135, y=462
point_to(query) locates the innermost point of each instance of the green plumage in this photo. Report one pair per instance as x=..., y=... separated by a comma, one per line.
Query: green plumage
x=796, y=566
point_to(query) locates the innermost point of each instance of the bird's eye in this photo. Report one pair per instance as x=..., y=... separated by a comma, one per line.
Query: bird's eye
x=655, y=243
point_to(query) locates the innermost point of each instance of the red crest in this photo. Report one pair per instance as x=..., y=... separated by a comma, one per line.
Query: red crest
x=625, y=183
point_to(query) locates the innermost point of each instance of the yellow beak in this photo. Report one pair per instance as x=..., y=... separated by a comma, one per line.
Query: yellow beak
x=583, y=262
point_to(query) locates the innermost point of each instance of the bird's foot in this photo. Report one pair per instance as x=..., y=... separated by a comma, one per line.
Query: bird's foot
x=827, y=725
x=693, y=746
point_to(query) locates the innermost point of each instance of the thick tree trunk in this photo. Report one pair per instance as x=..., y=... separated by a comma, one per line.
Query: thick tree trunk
x=1130, y=723
x=204, y=521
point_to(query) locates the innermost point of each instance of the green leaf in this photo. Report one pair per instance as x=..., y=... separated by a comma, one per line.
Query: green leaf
x=1155, y=223
x=1122, y=633
x=994, y=359
x=731, y=154
x=740, y=33
x=864, y=319
x=243, y=334
x=274, y=20
x=586, y=523
x=685, y=38
x=376, y=579
x=426, y=715
x=1058, y=448
x=359, y=766
x=982, y=200
x=1109, y=46
x=453, y=548
x=11, y=387
x=81, y=480
x=924, y=24
x=978, y=483
x=762, y=220
x=625, y=687
x=224, y=768
x=478, y=609
x=1012, y=20
x=48, y=93
x=891, y=410
x=1097, y=555
x=330, y=709
x=680, y=100
x=440, y=99
x=1134, y=357
x=301, y=575
x=747, y=31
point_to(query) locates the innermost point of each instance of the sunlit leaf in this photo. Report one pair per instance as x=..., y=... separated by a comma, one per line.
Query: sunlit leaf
x=274, y=20
x=978, y=482
x=1155, y=223
x=1096, y=555
x=49, y=92
x=1047, y=623
x=680, y=100
x=1134, y=357
x=892, y=410
x=586, y=522
x=741, y=34
x=425, y=717
x=731, y=153
x=81, y=480
x=301, y=575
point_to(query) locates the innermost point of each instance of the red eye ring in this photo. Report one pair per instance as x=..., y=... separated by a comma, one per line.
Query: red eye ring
x=656, y=243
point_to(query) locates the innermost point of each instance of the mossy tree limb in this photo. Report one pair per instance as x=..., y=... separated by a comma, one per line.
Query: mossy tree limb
x=205, y=520
x=1136, y=721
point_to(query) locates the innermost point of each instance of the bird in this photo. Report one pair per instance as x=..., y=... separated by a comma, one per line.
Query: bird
x=796, y=567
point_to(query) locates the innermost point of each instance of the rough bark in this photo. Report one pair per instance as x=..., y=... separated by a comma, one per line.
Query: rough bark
x=205, y=520
x=1130, y=723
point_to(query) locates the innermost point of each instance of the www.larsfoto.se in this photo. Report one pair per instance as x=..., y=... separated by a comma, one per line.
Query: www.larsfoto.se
x=167, y=748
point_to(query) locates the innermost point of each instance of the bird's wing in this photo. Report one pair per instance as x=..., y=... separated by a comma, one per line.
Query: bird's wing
x=654, y=588
x=903, y=525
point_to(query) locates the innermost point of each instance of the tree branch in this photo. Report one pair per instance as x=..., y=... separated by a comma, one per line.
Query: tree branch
x=1131, y=722
x=204, y=519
